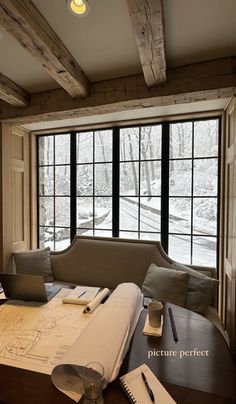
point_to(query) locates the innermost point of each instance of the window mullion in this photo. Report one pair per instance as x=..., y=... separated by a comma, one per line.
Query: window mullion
x=73, y=171
x=192, y=192
x=165, y=185
x=116, y=182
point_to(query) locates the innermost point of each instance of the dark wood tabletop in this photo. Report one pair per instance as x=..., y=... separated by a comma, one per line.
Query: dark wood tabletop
x=189, y=379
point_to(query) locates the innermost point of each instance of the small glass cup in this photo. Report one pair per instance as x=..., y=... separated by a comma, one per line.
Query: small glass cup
x=155, y=310
x=93, y=382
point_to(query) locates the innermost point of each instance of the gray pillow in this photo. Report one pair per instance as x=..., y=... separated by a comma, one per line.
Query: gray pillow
x=166, y=284
x=200, y=289
x=34, y=262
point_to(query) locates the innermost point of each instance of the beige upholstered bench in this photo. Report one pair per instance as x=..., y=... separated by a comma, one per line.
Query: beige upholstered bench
x=106, y=262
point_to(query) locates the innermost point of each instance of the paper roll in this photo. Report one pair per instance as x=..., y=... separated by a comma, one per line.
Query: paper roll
x=82, y=302
x=101, y=343
x=96, y=301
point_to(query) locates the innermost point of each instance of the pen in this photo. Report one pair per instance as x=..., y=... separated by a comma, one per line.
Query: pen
x=83, y=293
x=172, y=321
x=151, y=395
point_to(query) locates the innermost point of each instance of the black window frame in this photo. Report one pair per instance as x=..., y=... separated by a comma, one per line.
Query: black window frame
x=164, y=230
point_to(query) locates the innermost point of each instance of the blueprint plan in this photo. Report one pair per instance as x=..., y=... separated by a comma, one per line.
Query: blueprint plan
x=35, y=336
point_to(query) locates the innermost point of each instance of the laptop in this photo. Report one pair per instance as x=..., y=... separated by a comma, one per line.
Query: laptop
x=27, y=287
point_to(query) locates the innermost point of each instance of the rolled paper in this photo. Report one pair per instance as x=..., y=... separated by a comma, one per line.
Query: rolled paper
x=73, y=300
x=100, y=343
x=91, y=306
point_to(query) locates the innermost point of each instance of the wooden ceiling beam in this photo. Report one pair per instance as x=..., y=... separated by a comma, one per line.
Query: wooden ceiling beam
x=148, y=26
x=200, y=82
x=32, y=31
x=13, y=94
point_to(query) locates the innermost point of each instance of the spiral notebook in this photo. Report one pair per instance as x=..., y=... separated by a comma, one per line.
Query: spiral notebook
x=136, y=390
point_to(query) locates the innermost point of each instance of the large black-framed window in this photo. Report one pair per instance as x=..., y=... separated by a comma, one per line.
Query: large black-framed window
x=156, y=181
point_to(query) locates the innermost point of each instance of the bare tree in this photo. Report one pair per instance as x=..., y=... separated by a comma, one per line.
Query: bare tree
x=133, y=164
x=104, y=156
x=144, y=148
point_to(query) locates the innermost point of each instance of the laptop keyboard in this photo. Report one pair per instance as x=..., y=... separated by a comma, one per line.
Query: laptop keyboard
x=51, y=290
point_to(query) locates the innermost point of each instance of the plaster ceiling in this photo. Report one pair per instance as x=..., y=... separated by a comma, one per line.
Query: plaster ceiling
x=103, y=42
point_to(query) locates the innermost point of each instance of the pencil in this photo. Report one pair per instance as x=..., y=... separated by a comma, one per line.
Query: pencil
x=173, y=326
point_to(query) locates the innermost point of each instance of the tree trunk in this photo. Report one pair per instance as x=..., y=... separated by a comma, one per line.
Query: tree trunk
x=136, y=188
x=104, y=158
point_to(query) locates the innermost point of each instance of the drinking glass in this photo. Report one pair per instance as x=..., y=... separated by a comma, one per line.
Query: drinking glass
x=155, y=309
x=93, y=382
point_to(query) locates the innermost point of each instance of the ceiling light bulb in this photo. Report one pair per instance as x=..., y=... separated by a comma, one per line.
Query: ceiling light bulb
x=78, y=2
x=78, y=7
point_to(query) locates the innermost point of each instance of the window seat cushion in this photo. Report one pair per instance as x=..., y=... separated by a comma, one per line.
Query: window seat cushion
x=201, y=289
x=166, y=284
x=34, y=262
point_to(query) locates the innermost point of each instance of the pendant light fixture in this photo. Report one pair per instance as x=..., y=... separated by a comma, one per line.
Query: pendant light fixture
x=78, y=7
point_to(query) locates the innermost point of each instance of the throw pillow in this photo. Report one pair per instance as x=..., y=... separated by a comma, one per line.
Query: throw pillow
x=34, y=262
x=200, y=289
x=166, y=284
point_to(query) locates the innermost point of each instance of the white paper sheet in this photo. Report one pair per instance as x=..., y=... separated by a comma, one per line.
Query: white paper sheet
x=106, y=340
x=81, y=295
x=35, y=336
x=2, y=295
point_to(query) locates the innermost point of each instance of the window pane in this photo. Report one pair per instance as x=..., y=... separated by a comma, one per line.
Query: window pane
x=129, y=144
x=204, y=251
x=181, y=140
x=85, y=179
x=62, y=238
x=85, y=232
x=103, y=145
x=130, y=235
x=62, y=179
x=85, y=147
x=103, y=212
x=46, y=237
x=205, y=216
x=62, y=211
x=150, y=214
x=46, y=181
x=150, y=172
x=129, y=179
x=206, y=138
x=205, y=177
x=129, y=214
x=180, y=178
x=103, y=179
x=180, y=215
x=46, y=149
x=46, y=211
x=180, y=248
x=103, y=233
x=62, y=149
x=150, y=236
x=85, y=212
x=150, y=142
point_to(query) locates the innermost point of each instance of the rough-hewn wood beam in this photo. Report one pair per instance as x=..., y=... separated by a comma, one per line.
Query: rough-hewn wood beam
x=203, y=81
x=148, y=25
x=29, y=27
x=12, y=93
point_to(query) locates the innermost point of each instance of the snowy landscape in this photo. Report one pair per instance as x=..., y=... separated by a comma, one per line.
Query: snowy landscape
x=193, y=187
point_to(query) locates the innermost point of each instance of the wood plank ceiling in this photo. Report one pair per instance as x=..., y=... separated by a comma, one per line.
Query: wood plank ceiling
x=157, y=86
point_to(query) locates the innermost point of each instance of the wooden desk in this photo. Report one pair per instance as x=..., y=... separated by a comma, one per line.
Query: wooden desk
x=190, y=380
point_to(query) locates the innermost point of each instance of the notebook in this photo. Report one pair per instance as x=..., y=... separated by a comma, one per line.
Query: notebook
x=136, y=390
x=81, y=295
